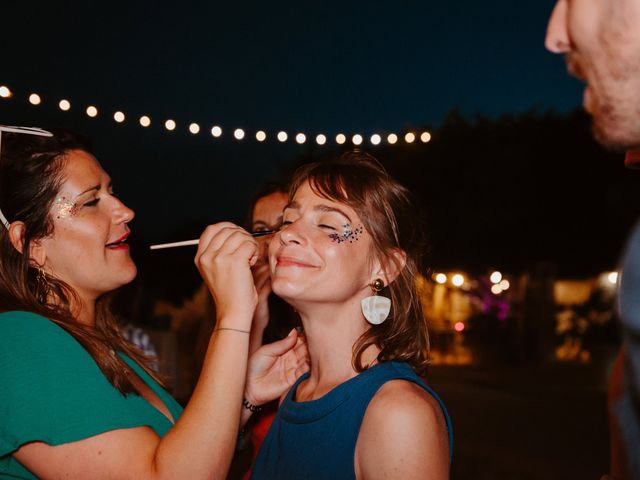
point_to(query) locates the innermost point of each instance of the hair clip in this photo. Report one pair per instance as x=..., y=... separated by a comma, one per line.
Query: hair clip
x=28, y=131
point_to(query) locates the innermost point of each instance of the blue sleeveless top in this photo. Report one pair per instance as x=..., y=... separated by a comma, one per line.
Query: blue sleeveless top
x=317, y=439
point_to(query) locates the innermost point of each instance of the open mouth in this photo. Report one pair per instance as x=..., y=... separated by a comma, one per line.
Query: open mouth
x=119, y=244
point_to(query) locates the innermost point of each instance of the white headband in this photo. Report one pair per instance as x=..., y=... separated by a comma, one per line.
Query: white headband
x=28, y=131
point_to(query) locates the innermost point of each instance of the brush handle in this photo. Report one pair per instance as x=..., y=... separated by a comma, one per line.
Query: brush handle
x=186, y=243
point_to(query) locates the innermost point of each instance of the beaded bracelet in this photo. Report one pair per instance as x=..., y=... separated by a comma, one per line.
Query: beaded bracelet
x=250, y=406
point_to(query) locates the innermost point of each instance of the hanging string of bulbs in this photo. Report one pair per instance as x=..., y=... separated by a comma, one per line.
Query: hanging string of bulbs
x=239, y=134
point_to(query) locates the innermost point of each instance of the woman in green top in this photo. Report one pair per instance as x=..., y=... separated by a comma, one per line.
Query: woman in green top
x=77, y=400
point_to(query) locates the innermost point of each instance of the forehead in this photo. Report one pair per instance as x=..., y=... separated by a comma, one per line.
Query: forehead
x=81, y=170
x=305, y=197
x=270, y=205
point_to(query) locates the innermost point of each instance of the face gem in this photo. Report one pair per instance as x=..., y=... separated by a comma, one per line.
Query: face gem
x=348, y=234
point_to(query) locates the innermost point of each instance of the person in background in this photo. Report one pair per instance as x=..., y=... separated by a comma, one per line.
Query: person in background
x=601, y=44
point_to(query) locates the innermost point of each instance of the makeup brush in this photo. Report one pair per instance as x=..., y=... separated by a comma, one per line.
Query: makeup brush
x=185, y=243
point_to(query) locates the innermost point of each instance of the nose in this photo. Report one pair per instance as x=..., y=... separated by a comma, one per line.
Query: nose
x=121, y=213
x=557, y=39
x=291, y=234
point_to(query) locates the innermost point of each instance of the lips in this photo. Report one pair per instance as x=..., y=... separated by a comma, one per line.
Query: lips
x=119, y=244
x=292, y=262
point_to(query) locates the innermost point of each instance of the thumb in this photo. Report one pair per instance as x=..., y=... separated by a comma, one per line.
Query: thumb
x=276, y=349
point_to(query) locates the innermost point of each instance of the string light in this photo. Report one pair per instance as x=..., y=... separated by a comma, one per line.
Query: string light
x=495, y=277
x=216, y=131
x=441, y=278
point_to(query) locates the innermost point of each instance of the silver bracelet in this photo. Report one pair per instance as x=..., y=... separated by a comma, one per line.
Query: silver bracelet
x=233, y=329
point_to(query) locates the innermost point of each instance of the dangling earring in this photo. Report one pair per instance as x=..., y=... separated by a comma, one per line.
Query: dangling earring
x=376, y=308
x=42, y=285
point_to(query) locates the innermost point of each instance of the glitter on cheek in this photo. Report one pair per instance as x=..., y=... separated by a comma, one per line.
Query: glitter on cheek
x=65, y=208
x=349, y=235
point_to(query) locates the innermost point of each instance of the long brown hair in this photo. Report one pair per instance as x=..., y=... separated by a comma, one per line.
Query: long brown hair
x=31, y=174
x=388, y=212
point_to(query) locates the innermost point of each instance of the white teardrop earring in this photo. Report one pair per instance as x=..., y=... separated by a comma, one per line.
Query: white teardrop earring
x=376, y=308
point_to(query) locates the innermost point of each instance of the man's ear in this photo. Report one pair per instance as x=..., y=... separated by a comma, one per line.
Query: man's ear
x=391, y=267
x=37, y=252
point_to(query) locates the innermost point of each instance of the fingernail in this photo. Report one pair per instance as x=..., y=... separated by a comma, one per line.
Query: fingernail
x=291, y=332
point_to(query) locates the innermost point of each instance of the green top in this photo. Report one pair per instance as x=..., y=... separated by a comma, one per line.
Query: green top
x=52, y=391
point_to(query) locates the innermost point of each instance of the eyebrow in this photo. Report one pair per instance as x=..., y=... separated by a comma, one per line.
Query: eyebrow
x=319, y=208
x=95, y=187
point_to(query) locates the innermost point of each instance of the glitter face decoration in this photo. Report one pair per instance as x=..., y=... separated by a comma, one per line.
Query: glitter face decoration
x=65, y=208
x=348, y=235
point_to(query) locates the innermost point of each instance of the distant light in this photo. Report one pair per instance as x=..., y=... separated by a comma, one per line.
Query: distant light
x=458, y=327
x=92, y=111
x=376, y=139
x=34, y=99
x=194, y=128
x=504, y=284
x=282, y=136
x=392, y=138
x=496, y=289
x=356, y=139
x=613, y=278
x=410, y=137
x=457, y=280
x=321, y=139
x=118, y=117
x=145, y=121
x=495, y=277
x=238, y=133
x=261, y=136
x=170, y=125
x=425, y=137
x=340, y=139
x=301, y=138
x=64, y=105
x=5, y=92
x=216, y=131
x=441, y=278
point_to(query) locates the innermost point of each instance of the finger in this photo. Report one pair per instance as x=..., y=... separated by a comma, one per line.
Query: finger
x=247, y=248
x=280, y=347
x=214, y=236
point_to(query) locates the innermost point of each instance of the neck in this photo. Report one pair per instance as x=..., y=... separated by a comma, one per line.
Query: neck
x=331, y=333
x=85, y=311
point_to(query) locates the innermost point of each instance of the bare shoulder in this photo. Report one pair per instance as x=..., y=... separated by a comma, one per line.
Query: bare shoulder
x=403, y=435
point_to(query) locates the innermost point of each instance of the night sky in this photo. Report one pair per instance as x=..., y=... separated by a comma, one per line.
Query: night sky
x=328, y=67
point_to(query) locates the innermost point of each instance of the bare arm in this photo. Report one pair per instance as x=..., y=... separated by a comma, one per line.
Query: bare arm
x=403, y=435
x=201, y=443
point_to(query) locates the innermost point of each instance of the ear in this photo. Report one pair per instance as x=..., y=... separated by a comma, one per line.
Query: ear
x=37, y=252
x=391, y=267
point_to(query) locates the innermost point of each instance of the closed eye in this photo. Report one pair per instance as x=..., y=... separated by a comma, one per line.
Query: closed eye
x=91, y=203
x=326, y=226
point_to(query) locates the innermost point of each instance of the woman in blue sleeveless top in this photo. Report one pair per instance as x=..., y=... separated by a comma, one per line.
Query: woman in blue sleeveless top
x=346, y=259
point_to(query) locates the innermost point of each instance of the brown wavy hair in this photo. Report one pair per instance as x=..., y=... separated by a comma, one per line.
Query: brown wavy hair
x=388, y=212
x=31, y=174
